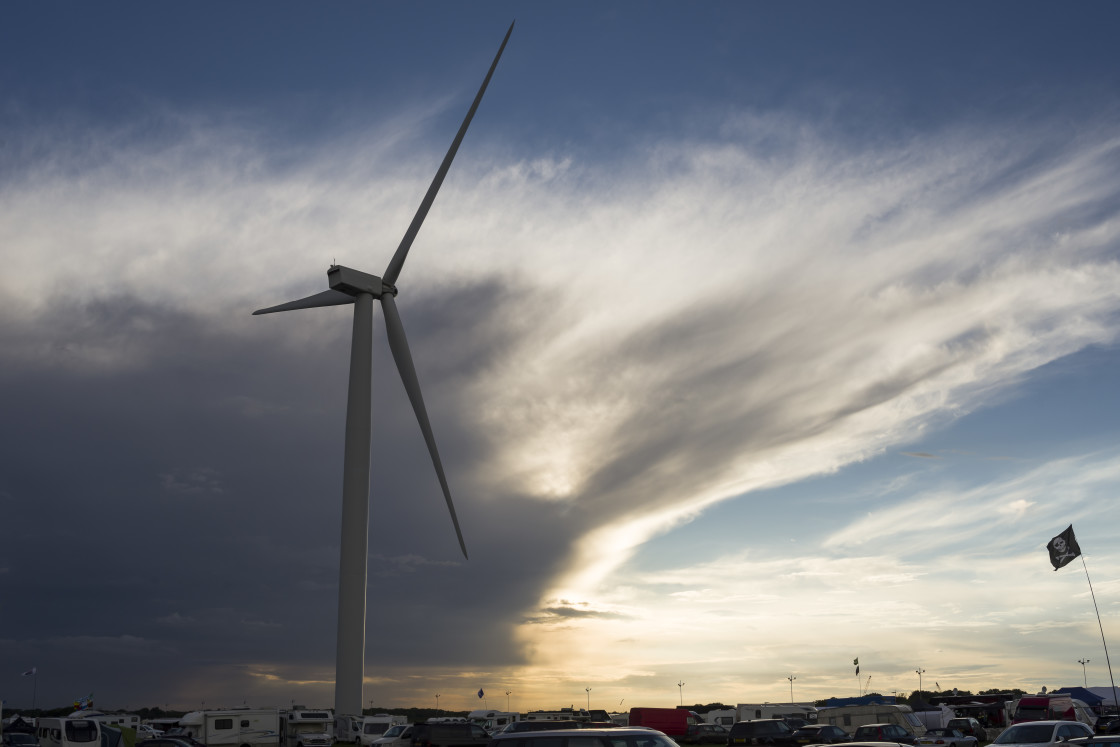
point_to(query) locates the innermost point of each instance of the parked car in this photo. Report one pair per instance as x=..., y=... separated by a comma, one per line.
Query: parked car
x=448, y=734
x=821, y=734
x=619, y=736
x=884, y=733
x=761, y=731
x=1101, y=740
x=518, y=726
x=180, y=741
x=705, y=734
x=1108, y=725
x=17, y=739
x=1042, y=732
x=969, y=727
x=946, y=738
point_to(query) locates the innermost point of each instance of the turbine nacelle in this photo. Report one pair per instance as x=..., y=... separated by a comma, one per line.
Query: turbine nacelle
x=355, y=282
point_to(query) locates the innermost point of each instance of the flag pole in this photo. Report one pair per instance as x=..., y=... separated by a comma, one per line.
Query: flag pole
x=1101, y=626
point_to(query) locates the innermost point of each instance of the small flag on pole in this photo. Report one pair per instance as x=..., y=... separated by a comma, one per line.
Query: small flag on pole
x=31, y=672
x=1063, y=548
x=855, y=661
x=480, y=693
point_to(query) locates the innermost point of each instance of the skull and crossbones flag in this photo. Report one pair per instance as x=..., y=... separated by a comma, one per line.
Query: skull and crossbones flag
x=1063, y=548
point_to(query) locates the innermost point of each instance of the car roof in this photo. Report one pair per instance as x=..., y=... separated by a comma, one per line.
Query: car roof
x=618, y=731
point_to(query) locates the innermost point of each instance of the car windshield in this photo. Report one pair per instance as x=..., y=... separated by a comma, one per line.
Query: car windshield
x=395, y=731
x=1026, y=734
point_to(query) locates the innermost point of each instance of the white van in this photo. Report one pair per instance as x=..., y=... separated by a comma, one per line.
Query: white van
x=398, y=735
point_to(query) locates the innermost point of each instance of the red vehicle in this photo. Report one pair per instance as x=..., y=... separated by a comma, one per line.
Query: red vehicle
x=673, y=722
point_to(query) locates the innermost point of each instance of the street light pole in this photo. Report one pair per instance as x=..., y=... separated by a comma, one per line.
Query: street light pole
x=507, y=700
x=920, y=672
x=437, y=701
x=680, y=685
x=588, y=689
x=1084, y=677
x=791, y=678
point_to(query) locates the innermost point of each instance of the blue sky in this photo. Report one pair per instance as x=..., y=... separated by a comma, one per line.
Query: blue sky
x=755, y=337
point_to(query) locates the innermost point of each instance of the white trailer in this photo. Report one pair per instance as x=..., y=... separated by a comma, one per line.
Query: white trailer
x=236, y=727
x=301, y=727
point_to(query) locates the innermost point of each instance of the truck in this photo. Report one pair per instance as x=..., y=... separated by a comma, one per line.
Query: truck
x=849, y=718
x=673, y=722
x=301, y=727
x=236, y=727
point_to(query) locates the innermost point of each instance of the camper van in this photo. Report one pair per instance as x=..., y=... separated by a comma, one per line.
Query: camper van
x=236, y=727
x=850, y=718
x=305, y=728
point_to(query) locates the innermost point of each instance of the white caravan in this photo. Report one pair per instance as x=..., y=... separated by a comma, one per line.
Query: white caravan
x=751, y=711
x=850, y=718
x=236, y=727
x=305, y=728
x=370, y=728
x=722, y=716
x=75, y=732
x=493, y=721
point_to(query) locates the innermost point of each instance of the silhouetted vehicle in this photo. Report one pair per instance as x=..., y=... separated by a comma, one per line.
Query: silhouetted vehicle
x=618, y=736
x=705, y=734
x=946, y=738
x=449, y=734
x=761, y=731
x=1042, y=733
x=970, y=727
x=821, y=734
x=884, y=733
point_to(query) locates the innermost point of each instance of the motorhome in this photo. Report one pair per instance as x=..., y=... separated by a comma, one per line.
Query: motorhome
x=370, y=728
x=236, y=727
x=493, y=721
x=301, y=727
x=850, y=718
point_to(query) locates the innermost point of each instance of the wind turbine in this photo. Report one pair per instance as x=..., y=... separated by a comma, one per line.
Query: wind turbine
x=349, y=286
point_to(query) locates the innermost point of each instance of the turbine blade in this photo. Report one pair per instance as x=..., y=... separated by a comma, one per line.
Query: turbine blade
x=395, y=265
x=326, y=298
x=399, y=345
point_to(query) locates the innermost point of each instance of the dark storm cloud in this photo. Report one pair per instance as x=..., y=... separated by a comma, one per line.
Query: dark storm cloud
x=171, y=514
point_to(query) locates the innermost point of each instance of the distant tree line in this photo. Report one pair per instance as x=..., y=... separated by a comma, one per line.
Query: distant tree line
x=419, y=715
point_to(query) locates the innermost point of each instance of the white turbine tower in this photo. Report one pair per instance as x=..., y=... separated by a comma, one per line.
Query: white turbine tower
x=348, y=286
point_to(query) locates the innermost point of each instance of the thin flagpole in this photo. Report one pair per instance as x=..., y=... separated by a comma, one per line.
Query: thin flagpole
x=1101, y=626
